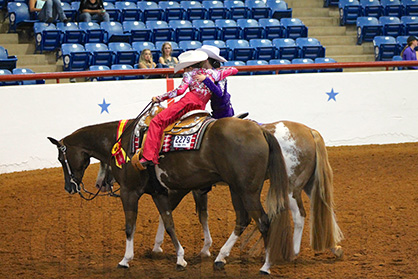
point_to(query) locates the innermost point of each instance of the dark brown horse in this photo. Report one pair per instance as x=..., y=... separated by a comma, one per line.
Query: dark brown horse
x=308, y=170
x=234, y=151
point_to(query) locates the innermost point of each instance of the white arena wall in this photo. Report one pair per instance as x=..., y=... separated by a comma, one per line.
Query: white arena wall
x=370, y=108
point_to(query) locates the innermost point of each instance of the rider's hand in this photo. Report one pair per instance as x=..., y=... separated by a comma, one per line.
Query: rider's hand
x=199, y=77
x=155, y=100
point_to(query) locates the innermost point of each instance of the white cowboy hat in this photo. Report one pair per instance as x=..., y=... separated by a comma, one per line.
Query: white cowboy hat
x=189, y=58
x=213, y=52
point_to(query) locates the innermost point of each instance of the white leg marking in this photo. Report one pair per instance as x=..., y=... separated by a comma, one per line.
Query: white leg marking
x=298, y=222
x=129, y=251
x=180, y=256
x=159, y=237
x=208, y=239
x=226, y=249
x=266, y=267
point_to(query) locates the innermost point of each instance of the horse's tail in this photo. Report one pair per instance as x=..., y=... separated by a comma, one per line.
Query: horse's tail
x=325, y=232
x=280, y=236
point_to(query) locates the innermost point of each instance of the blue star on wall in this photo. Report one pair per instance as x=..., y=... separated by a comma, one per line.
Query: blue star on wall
x=331, y=95
x=104, y=106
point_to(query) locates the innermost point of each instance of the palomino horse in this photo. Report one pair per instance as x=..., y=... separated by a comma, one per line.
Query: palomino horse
x=308, y=170
x=235, y=151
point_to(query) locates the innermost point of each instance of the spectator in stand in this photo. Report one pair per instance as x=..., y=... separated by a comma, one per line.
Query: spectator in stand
x=409, y=53
x=93, y=10
x=146, y=61
x=48, y=10
x=166, y=60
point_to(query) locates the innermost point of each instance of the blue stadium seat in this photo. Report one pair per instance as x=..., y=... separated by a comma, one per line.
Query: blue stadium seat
x=392, y=8
x=114, y=32
x=7, y=61
x=18, y=14
x=371, y=8
x=350, y=10
x=182, y=30
x=391, y=26
x=123, y=53
x=410, y=24
x=140, y=46
x=258, y=63
x=237, y=9
x=385, y=47
x=310, y=48
x=240, y=50
x=286, y=49
x=327, y=60
x=279, y=9
x=410, y=7
x=367, y=29
x=224, y=51
x=264, y=49
x=161, y=30
x=123, y=67
x=137, y=30
x=150, y=11
x=189, y=45
x=258, y=9
x=100, y=68
x=235, y=64
x=47, y=37
x=215, y=9
x=304, y=61
x=76, y=7
x=69, y=11
x=402, y=42
x=100, y=54
x=7, y=83
x=397, y=58
x=114, y=13
x=206, y=29
x=193, y=10
x=71, y=33
x=250, y=29
x=93, y=32
x=273, y=29
x=128, y=11
x=281, y=62
x=75, y=57
x=24, y=71
x=328, y=3
x=171, y=9
x=229, y=29
x=294, y=28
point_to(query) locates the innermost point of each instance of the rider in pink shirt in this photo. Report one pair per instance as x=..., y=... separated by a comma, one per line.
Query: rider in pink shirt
x=196, y=98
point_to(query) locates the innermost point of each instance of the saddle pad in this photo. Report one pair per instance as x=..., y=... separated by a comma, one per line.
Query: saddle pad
x=185, y=142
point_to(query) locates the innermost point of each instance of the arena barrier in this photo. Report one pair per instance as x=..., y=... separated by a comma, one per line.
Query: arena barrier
x=352, y=108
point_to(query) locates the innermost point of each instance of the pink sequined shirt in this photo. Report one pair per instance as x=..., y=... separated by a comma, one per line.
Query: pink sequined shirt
x=198, y=88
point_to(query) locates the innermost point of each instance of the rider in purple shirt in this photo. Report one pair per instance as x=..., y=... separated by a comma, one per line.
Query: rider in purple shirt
x=221, y=99
x=409, y=53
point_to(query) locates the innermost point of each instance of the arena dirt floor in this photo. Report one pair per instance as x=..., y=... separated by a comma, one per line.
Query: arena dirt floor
x=47, y=233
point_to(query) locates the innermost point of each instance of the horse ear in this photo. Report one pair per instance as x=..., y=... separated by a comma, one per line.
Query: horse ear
x=54, y=141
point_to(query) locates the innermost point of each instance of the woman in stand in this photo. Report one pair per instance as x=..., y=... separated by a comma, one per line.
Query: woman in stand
x=409, y=53
x=166, y=60
x=48, y=10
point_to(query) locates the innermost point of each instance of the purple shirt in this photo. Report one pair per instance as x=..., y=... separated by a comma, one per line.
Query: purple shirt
x=220, y=100
x=410, y=54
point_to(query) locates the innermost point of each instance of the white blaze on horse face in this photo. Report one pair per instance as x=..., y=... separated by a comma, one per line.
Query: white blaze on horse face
x=289, y=148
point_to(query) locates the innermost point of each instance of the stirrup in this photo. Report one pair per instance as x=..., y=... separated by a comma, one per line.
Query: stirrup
x=241, y=115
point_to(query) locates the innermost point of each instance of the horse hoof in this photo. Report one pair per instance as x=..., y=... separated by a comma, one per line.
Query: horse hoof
x=205, y=254
x=122, y=266
x=262, y=272
x=158, y=250
x=338, y=252
x=219, y=265
x=180, y=267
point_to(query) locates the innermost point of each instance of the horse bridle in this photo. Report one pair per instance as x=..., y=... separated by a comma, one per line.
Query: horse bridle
x=80, y=185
